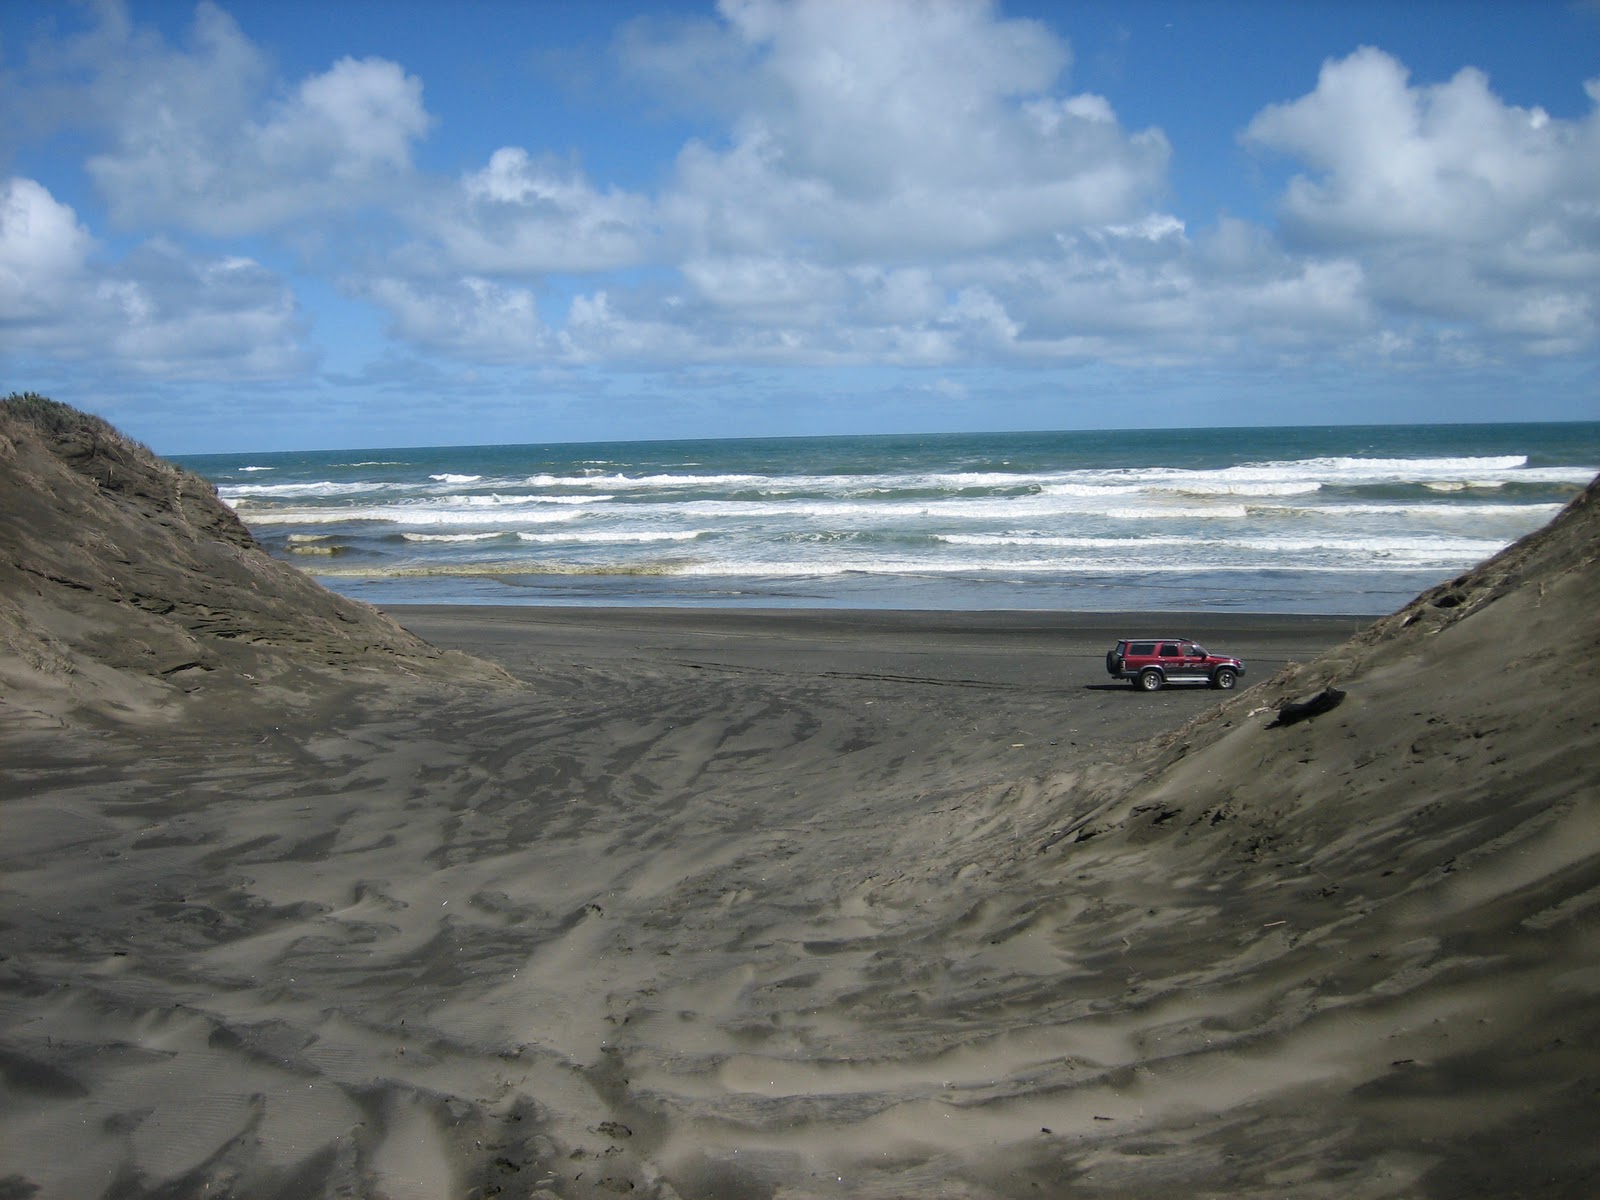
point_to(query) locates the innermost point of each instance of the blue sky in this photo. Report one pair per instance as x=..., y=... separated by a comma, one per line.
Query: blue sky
x=295, y=225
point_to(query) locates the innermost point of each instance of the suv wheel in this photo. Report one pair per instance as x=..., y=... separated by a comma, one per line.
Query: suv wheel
x=1225, y=678
x=1149, y=681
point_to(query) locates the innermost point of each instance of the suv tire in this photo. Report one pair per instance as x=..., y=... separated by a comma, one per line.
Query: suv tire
x=1225, y=678
x=1149, y=681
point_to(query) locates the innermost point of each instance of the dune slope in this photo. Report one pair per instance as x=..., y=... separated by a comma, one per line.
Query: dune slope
x=1361, y=950
x=125, y=583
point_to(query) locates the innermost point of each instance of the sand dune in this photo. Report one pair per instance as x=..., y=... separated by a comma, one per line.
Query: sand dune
x=125, y=585
x=794, y=905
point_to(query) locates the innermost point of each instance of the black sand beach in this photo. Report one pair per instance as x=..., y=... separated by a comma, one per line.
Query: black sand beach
x=783, y=904
x=675, y=833
x=1030, y=685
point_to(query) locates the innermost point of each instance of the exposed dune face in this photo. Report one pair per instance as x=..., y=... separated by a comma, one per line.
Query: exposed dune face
x=777, y=908
x=125, y=583
x=1378, y=929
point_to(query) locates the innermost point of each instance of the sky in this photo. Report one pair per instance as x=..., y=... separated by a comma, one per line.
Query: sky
x=284, y=224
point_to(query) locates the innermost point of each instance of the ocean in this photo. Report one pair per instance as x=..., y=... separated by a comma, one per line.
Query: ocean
x=1334, y=520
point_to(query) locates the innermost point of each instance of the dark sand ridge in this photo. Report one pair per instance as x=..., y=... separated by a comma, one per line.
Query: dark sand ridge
x=805, y=904
x=125, y=584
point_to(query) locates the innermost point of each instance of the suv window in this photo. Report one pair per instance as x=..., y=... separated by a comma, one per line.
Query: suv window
x=1140, y=649
x=1170, y=650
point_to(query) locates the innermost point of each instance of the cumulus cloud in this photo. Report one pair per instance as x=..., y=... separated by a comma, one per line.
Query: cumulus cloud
x=200, y=142
x=43, y=249
x=896, y=129
x=870, y=148
x=471, y=317
x=879, y=183
x=1448, y=161
x=1463, y=208
x=528, y=216
x=598, y=331
x=867, y=133
x=183, y=318
x=769, y=289
x=158, y=311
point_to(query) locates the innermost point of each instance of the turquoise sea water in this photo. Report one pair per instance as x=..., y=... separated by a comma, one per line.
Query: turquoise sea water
x=1315, y=520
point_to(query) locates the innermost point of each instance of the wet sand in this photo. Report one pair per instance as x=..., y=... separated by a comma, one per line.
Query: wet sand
x=985, y=682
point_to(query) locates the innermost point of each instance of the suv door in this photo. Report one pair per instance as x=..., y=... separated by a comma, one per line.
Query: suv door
x=1173, y=663
x=1189, y=662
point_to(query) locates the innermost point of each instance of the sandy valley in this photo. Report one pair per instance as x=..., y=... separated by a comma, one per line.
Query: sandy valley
x=538, y=902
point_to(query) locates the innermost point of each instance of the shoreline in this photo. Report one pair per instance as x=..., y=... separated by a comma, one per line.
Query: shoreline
x=1023, y=692
x=1293, y=520
x=1089, y=622
x=509, y=634
x=1369, y=594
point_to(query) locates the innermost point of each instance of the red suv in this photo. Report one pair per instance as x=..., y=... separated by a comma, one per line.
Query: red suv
x=1152, y=663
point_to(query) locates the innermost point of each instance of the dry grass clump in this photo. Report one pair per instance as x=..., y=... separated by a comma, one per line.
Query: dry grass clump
x=61, y=420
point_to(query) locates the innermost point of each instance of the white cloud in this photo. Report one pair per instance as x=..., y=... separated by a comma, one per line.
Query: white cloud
x=470, y=318
x=158, y=312
x=1460, y=206
x=875, y=96
x=355, y=121
x=896, y=296
x=868, y=133
x=1447, y=162
x=894, y=129
x=890, y=182
x=527, y=216
x=770, y=289
x=871, y=148
x=198, y=143
x=596, y=331
x=902, y=182
x=43, y=248
x=601, y=327
x=209, y=319
x=983, y=318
